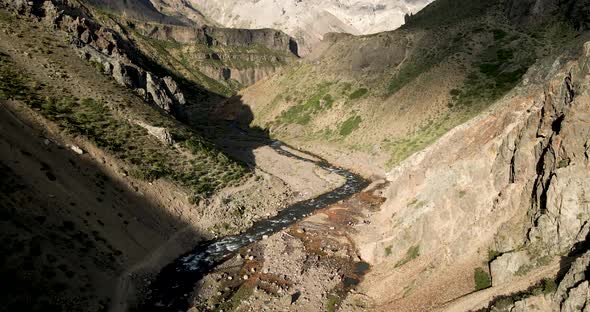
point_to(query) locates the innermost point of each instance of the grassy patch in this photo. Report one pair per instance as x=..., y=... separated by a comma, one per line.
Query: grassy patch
x=412, y=253
x=351, y=124
x=482, y=279
x=359, y=93
x=331, y=303
x=416, y=203
x=402, y=148
x=243, y=293
x=303, y=113
x=493, y=254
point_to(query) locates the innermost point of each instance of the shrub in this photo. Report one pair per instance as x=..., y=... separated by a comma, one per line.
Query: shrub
x=412, y=253
x=350, y=125
x=482, y=279
x=493, y=254
x=203, y=169
x=499, y=34
x=359, y=93
x=549, y=286
x=388, y=251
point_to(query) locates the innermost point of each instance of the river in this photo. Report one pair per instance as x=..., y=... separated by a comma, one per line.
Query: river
x=172, y=288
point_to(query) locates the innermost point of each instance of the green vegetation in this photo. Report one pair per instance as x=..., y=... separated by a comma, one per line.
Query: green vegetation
x=351, y=124
x=548, y=286
x=302, y=113
x=388, y=251
x=236, y=299
x=402, y=148
x=412, y=253
x=497, y=70
x=416, y=203
x=406, y=74
x=482, y=279
x=563, y=163
x=205, y=171
x=359, y=93
x=332, y=302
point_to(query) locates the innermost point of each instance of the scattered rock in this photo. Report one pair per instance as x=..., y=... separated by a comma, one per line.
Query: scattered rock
x=77, y=149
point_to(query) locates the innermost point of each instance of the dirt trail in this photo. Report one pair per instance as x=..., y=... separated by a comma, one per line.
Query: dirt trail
x=482, y=298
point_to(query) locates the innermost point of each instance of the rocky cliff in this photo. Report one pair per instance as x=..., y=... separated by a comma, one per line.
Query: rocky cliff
x=170, y=39
x=309, y=21
x=235, y=57
x=111, y=53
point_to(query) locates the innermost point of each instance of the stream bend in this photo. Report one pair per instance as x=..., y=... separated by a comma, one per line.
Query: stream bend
x=172, y=288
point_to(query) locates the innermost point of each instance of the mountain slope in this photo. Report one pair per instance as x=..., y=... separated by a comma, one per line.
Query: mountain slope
x=381, y=97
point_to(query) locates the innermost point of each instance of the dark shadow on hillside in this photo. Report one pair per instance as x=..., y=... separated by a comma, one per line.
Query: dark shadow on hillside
x=69, y=228
x=223, y=121
x=227, y=124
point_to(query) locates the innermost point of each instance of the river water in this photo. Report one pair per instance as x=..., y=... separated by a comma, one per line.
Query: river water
x=172, y=288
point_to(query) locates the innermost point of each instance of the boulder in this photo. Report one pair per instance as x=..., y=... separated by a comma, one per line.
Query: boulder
x=160, y=133
x=506, y=267
x=156, y=90
x=77, y=149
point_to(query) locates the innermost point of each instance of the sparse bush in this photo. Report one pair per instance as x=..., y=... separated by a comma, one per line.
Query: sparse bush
x=359, y=93
x=549, y=286
x=302, y=113
x=499, y=34
x=350, y=125
x=493, y=254
x=412, y=253
x=482, y=279
x=388, y=251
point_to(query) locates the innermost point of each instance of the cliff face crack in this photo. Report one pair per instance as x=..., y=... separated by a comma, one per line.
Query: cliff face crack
x=569, y=89
x=556, y=124
x=512, y=178
x=542, y=183
x=512, y=169
x=543, y=197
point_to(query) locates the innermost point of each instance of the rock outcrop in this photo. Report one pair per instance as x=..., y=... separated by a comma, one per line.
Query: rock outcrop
x=215, y=36
x=227, y=55
x=105, y=48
